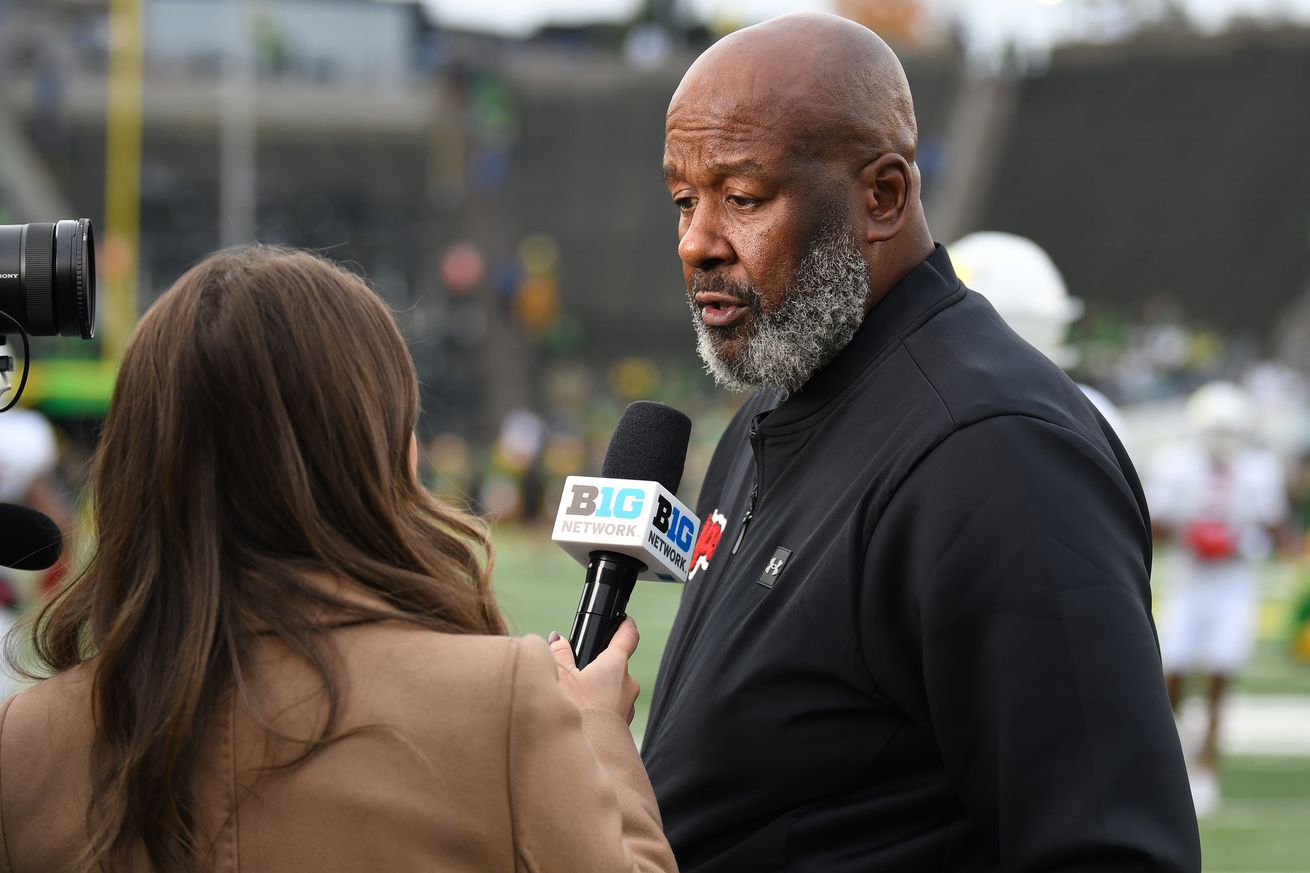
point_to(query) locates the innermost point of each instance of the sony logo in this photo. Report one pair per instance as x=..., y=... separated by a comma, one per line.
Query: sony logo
x=8, y=275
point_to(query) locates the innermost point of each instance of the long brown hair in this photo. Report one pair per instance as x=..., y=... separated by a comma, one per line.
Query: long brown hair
x=258, y=437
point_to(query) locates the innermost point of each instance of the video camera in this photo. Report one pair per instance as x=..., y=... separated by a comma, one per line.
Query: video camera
x=47, y=286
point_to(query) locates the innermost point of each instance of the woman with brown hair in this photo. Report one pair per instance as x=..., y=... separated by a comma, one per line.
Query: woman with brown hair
x=284, y=654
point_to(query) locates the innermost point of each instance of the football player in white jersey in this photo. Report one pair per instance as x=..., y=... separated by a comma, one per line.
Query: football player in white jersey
x=1221, y=499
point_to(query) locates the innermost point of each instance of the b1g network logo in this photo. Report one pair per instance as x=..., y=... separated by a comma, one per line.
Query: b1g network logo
x=638, y=518
x=608, y=501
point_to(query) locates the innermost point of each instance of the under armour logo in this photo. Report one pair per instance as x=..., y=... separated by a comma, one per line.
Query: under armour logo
x=774, y=568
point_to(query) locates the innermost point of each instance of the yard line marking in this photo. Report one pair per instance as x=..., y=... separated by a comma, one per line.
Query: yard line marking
x=1256, y=814
x=1255, y=724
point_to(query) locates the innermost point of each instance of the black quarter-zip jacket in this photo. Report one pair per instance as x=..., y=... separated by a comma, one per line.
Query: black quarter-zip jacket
x=923, y=641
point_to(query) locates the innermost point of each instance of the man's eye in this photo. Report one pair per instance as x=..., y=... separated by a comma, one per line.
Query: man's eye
x=684, y=204
x=742, y=202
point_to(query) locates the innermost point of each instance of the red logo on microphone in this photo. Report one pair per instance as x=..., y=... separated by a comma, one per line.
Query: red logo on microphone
x=710, y=534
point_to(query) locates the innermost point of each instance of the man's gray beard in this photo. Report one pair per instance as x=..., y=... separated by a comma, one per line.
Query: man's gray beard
x=821, y=312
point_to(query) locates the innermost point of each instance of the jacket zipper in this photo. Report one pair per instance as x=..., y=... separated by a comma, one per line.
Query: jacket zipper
x=750, y=513
x=712, y=596
x=757, y=455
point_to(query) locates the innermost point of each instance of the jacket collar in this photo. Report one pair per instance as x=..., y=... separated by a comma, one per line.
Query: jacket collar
x=910, y=302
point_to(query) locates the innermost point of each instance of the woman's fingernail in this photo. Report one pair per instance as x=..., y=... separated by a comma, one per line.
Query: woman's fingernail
x=554, y=635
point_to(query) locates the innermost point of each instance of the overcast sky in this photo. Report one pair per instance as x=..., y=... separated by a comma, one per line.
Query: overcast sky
x=1034, y=22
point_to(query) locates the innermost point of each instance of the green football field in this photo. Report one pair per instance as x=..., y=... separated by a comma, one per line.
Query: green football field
x=1263, y=825
x=1264, y=822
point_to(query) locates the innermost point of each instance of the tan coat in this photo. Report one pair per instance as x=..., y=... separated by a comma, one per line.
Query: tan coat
x=476, y=761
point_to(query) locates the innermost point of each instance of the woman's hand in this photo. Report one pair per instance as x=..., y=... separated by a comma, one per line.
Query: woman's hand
x=604, y=683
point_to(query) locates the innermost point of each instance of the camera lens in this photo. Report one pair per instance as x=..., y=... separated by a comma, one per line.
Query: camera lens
x=48, y=277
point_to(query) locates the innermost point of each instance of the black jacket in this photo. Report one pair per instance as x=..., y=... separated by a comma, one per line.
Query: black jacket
x=932, y=649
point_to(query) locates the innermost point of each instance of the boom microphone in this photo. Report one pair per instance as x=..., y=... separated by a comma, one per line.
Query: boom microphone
x=28, y=539
x=627, y=524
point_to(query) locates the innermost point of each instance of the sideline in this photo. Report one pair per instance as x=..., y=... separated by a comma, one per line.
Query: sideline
x=1274, y=725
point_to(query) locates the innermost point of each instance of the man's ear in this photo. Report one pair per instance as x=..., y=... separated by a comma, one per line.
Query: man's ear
x=886, y=184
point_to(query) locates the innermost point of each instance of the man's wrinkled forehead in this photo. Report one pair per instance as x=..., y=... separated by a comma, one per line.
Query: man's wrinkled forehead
x=746, y=137
x=737, y=142
x=724, y=104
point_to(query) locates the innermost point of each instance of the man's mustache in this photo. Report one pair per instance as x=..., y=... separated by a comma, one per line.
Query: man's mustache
x=714, y=283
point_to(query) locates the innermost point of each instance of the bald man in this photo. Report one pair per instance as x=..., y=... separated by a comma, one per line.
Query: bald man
x=917, y=635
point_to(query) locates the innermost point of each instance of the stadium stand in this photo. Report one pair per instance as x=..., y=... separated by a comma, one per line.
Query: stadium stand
x=1168, y=168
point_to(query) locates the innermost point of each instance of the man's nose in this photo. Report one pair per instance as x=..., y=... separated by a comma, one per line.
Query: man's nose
x=703, y=245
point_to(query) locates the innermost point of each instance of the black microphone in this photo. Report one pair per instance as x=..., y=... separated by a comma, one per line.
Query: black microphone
x=627, y=524
x=28, y=539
